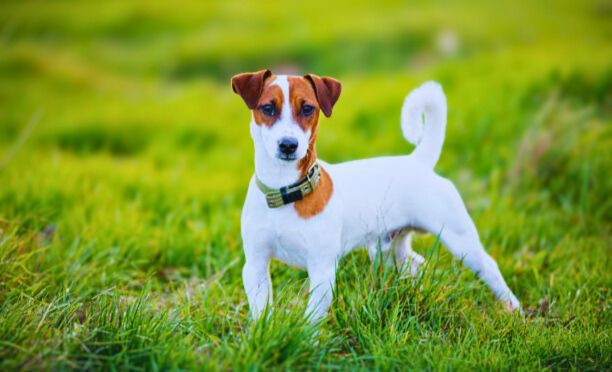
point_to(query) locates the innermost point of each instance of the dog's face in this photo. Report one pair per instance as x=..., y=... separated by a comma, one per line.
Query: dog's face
x=286, y=110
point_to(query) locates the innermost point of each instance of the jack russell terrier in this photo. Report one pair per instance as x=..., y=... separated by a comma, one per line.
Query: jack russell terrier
x=309, y=213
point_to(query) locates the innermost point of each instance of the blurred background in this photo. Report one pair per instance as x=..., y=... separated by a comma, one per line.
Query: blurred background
x=124, y=152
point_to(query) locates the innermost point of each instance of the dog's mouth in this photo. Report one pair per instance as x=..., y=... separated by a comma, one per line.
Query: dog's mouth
x=286, y=157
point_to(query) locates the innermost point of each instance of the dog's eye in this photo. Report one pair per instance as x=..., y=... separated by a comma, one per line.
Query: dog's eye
x=268, y=109
x=307, y=110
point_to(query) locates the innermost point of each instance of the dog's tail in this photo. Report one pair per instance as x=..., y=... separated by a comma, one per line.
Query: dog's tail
x=424, y=121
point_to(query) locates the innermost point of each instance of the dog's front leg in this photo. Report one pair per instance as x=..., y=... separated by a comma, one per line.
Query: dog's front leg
x=322, y=275
x=257, y=284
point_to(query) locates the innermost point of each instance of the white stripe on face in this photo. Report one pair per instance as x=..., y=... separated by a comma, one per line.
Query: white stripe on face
x=285, y=126
x=283, y=83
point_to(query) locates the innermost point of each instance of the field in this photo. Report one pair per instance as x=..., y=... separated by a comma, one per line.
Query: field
x=125, y=157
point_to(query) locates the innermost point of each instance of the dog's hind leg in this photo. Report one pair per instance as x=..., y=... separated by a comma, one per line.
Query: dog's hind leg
x=466, y=246
x=381, y=250
x=459, y=235
x=405, y=258
x=397, y=244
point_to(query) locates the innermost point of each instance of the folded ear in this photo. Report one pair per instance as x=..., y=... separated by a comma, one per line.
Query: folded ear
x=327, y=91
x=250, y=86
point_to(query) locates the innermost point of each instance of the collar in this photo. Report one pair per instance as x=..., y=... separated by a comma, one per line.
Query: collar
x=294, y=192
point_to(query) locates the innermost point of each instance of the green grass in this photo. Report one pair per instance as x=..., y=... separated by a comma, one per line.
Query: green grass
x=124, y=160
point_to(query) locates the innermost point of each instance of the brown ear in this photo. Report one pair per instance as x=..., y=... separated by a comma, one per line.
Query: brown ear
x=327, y=91
x=250, y=85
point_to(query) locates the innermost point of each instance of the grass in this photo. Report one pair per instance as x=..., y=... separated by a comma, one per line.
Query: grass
x=124, y=160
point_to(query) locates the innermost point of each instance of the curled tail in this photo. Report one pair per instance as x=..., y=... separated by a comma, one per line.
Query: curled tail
x=424, y=121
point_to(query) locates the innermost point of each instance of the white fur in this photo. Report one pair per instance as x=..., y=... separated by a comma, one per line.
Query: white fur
x=271, y=170
x=371, y=198
x=424, y=121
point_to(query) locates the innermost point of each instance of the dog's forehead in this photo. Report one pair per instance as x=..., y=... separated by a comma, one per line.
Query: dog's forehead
x=277, y=83
x=291, y=86
x=272, y=91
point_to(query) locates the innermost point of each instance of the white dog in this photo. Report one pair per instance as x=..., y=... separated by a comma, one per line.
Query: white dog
x=308, y=213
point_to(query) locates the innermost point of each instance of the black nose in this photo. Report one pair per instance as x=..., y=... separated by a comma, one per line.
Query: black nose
x=287, y=145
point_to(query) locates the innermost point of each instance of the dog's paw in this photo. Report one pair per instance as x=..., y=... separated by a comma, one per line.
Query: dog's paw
x=512, y=305
x=412, y=264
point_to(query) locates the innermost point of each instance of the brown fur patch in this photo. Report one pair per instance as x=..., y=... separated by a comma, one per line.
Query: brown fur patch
x=302, y=93
x=327, y=91
x=271, y=94
x=315, y=202
x=250, y=85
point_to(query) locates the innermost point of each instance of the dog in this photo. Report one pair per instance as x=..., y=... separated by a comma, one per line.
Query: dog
x=309, y=213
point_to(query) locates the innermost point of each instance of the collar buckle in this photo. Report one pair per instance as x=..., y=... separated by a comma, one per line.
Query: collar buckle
x=313, y=176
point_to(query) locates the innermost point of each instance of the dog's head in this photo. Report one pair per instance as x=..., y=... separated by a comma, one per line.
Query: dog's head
x=286, y=110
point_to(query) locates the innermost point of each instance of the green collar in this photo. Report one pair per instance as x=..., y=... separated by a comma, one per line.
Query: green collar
x=294, y=192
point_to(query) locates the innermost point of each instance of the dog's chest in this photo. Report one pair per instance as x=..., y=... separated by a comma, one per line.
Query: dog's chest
x=287, y=236
x=292, y=237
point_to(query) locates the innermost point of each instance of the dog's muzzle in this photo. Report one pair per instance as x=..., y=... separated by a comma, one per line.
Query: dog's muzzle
x=287, y=146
